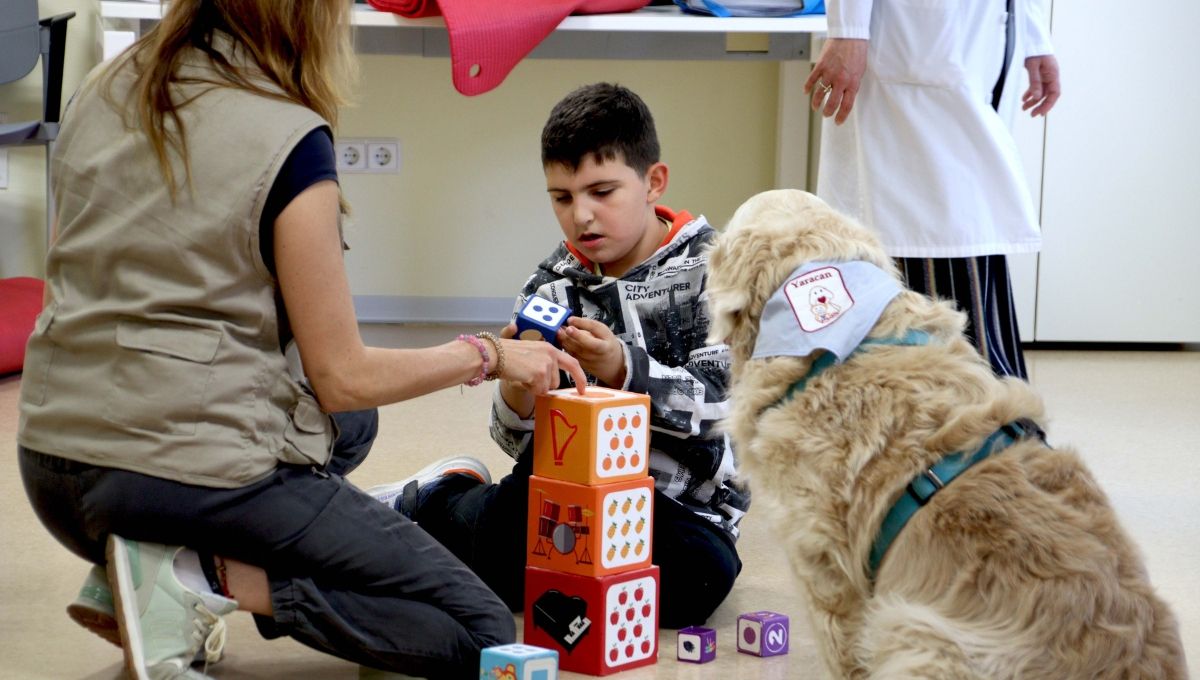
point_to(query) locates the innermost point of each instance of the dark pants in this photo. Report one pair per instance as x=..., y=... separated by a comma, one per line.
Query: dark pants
x=348, y=576
x=485, y=527
x=980, y=287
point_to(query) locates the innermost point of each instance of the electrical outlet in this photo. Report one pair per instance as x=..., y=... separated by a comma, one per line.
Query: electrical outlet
x=350, y=155
x=383, y=157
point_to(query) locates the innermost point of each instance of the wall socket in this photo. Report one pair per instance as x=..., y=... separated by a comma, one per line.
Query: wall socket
x=368, y=156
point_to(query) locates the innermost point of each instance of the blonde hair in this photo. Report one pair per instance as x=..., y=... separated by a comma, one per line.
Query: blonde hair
x=303, y=47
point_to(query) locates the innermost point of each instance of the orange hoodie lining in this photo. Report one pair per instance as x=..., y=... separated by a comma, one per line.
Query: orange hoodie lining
x=677, y=220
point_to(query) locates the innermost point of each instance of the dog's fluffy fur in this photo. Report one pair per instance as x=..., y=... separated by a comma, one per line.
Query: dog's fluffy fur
x=1017, y=569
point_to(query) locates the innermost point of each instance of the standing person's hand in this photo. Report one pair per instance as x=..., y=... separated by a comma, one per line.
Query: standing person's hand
x=599, y=351
x=1044, y=87
x=837, y=76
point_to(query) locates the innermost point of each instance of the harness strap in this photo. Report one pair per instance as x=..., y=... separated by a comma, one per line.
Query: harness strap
x=928, y=482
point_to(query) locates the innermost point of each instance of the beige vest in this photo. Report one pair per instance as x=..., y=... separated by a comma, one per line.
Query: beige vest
x=160, y=351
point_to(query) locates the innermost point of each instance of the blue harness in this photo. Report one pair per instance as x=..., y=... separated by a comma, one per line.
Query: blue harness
x=926, y=484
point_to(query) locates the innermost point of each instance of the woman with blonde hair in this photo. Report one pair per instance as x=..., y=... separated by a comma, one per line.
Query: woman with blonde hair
x=198, y=333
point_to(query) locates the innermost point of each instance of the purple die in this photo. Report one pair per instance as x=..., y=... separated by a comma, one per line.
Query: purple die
x=763, y=634
x=697, y=644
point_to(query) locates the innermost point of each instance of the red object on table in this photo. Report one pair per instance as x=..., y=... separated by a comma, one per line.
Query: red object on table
x=488, y=38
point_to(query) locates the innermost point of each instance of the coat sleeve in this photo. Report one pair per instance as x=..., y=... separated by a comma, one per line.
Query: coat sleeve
x=849, y=18
x=1036, y=26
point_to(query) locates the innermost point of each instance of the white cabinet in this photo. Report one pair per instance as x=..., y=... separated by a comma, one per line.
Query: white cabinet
x=1121, y=180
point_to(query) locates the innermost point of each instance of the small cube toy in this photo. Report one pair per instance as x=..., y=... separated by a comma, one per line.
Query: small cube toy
x=762, y=633
x=598, y=437
x=589, y=530
x=540, y=319
x=518, y=662
x=697, y=644
x=599, y=625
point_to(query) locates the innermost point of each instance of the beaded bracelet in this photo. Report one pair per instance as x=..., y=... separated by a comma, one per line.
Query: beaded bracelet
x=483, y=371
x=499, y=354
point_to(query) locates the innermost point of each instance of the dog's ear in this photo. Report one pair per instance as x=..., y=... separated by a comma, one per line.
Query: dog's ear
x=740, y=279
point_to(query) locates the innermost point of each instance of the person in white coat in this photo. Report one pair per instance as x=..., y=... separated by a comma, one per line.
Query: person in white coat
x=917, y=97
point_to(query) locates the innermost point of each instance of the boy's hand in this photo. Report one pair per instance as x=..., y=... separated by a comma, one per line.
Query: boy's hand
x=599, y=351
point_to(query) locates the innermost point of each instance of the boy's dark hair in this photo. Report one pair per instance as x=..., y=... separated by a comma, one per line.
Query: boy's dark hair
x=601, y=120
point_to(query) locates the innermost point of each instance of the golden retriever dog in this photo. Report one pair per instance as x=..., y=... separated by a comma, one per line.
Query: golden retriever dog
x=1016, y=568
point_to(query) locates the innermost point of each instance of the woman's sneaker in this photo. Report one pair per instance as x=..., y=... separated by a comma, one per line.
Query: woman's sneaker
x=93, y=607
x=163, y=623
x=402, y=495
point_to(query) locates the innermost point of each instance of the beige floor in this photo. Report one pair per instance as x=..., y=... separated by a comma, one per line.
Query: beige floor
x=1135, y=415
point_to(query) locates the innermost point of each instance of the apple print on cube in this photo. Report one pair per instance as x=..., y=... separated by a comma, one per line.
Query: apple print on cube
x=697, y=644
x=762, y=633
x=518, y=662
x=598, y=625
x=598, y=437
x=540, y=319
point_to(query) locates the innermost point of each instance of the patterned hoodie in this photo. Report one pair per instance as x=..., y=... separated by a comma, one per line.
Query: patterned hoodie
x=659, y=309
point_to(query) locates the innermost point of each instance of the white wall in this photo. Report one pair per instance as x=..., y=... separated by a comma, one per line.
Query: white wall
x=467, y=217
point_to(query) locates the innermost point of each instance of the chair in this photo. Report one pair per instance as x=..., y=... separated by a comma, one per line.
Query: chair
x=23, y=40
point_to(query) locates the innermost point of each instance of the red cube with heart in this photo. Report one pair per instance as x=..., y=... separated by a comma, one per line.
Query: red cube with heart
x=600, y=437
x=598, y=625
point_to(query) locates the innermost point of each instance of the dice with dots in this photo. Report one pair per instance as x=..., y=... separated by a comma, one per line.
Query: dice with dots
x=540, y=319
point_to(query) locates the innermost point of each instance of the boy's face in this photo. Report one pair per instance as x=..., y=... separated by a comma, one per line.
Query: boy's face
x=606, y=210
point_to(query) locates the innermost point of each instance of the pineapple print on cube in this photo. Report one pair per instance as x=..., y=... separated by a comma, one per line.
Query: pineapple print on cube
x=599, y=437
x=590, y=530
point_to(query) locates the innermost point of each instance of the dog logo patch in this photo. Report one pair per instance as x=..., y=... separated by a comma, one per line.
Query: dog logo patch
x=818, y=298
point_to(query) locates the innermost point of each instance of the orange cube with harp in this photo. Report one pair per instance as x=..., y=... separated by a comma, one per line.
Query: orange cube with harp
x=600, y=437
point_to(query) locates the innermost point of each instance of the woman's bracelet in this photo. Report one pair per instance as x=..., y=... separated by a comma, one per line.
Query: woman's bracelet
x=496, y=373
x=483, y=371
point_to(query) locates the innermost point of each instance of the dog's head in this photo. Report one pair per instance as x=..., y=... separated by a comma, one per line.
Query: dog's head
x=769, y=236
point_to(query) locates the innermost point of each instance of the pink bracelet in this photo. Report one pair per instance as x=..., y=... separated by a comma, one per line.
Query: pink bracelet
x=472, y=340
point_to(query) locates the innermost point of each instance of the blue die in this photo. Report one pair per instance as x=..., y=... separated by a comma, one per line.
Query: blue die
x=519, y=662
x=540, y=319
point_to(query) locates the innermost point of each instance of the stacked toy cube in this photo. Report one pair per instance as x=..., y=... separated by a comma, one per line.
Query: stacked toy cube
x=591, y=593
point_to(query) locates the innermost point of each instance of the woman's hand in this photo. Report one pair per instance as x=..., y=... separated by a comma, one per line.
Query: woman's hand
x=531, y=368
x=837, y=76
x=1044, y=87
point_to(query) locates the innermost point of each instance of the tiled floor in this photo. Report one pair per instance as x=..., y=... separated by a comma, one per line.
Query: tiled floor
x=1135, y=415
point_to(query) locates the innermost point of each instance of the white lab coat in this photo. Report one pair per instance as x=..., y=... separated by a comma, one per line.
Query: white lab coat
x=923, y=159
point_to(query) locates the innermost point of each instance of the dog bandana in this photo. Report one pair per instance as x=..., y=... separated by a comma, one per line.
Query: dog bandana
x=824, y=305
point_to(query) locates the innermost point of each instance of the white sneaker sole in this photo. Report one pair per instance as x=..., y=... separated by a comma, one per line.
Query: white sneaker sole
x=387, y=493
x=120, y=578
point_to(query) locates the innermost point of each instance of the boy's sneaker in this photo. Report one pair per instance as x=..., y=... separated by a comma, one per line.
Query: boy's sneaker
x=163, y=623
x=93, y=607
x=402, y=495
